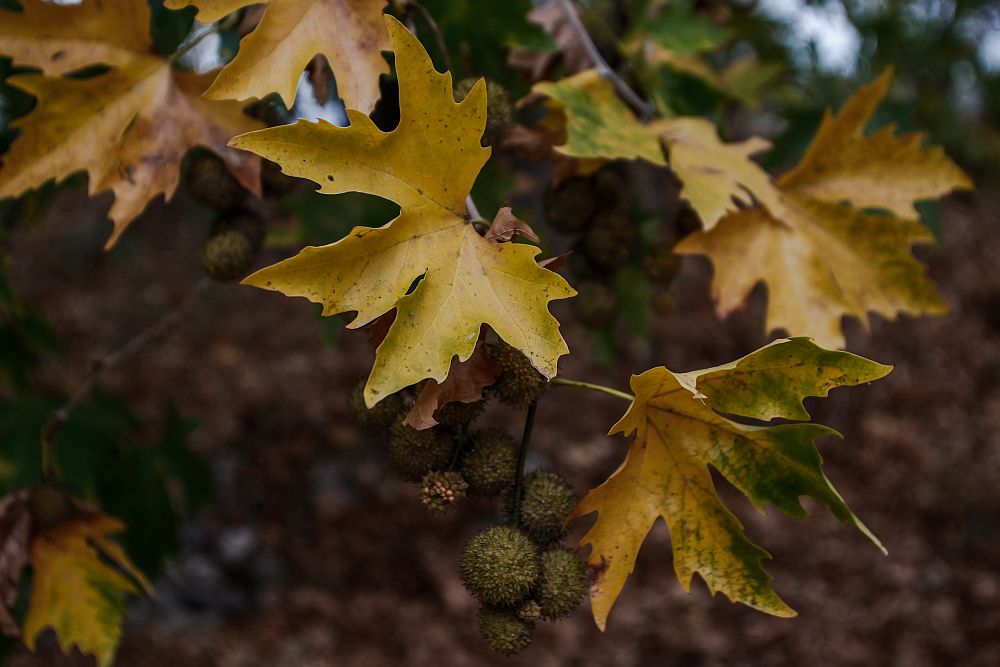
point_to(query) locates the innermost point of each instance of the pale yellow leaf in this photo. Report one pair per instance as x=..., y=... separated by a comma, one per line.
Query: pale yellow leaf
x=427, y=165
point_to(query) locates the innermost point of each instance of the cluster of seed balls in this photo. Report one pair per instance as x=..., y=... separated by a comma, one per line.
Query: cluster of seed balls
x=237, y=232
x=516, y=570
x=594, y=208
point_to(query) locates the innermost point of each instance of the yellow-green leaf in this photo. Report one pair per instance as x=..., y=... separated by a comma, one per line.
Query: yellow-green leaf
x=80, y=576
x=716, y=176
x=822, y=259
x=679, y=433
x=427, y=165
x=350, y=33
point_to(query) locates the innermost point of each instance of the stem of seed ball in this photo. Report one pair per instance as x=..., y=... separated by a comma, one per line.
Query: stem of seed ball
x=522, y=455
x=593, y=387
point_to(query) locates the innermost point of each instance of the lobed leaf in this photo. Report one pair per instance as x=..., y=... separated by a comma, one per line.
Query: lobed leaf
x=679, y=432
x=427, y=165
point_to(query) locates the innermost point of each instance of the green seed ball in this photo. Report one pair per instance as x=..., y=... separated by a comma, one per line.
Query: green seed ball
x=489, y=462
x=519, y=384
x=210, y=183
x=499, y=109
x=570, y=207
x=612, y=190
x=611, y=241
x=546, y=502
x=245, y=221
x=414, y=453
x=380, y=418
x=595, y=305
x=439, y=491
x=661, y=264
x=500, y=566
x=504, y=631
x=529, y=611
x=458, y=414
x=562, y=585
x=227, y=256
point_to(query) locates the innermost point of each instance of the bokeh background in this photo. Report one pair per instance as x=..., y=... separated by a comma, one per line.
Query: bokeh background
x=273, y=528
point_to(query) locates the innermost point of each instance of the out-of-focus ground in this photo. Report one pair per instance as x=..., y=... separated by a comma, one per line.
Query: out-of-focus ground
x=315, y=555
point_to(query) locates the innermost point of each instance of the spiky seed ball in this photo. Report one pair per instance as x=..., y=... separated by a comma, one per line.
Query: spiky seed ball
x=504, y=631
x=500, y=566
x=49, y=505
x=519, y=384
x=380, y=418
x=611, y=240
x=245, y=221
x=595, y=305
x=612, y=190
x=664, y=304
x=458, y=414
x=546, y=502
x=570, y=207
x=274, y=183
x=529, y=611
x=227, y=256
x=499, y=110
x=489, y=462
x=661, y=264
x=440, y=490
x=210, y=183
x=414, y=453
x=562, y=585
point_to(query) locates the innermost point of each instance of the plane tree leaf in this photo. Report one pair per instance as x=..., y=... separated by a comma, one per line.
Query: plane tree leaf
x=716, y=176
x=80, y=578
x=129, y=127
x=828, y=253
x=349, y=33
x=427, y=166
x=679, y=433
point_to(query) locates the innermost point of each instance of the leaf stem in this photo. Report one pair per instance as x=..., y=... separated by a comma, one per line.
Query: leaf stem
x=438, y=37
x=593, y=387
x=219, y=26
x=58, y=419
x=522, y=456
x=643, y=108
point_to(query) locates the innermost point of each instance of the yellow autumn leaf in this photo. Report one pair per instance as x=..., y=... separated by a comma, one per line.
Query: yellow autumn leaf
x=822, y=259
x=79, y=578
x=716, y=176
x=350, y=33
x=680, y=432
x=427, y=165
x=128, y=128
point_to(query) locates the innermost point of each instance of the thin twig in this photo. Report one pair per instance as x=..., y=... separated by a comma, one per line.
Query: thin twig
x=228, y=22
x=593, y=387
x=58, y=419
x=438, y=37
x=644, y=109
x=522, y=456
x=474, y=214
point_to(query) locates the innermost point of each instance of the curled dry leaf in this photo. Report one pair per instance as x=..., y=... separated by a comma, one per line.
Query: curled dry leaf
x=464, y=384
x=15, y=531
x=506, y=226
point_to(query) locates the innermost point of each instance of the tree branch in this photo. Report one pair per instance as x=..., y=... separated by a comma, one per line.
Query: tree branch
x=644, y=109
x=58, y=419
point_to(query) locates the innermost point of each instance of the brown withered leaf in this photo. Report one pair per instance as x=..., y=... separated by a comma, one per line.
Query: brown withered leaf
x=464, y=384
x=506, y=226
x=15, y=530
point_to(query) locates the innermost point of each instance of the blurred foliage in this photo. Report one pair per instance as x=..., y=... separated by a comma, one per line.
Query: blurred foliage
x=99, y=452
